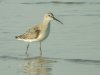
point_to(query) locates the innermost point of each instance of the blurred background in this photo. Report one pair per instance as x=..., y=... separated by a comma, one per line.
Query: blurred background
x=75, y=46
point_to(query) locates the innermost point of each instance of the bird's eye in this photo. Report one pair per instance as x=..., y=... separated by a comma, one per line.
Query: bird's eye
x=49, y=15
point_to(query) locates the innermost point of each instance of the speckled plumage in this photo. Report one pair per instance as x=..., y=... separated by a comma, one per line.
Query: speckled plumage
x=38, y=32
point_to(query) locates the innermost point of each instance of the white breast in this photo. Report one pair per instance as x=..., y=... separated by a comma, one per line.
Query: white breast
x=44, y=34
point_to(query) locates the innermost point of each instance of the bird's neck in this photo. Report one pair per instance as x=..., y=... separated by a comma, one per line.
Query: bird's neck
x=46, y=22
x=45, y=25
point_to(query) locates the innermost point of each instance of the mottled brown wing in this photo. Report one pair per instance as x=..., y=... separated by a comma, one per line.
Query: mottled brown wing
x=32, y=33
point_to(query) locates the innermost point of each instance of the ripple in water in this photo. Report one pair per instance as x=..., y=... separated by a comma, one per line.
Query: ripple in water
x=52, y=60
x=56, y=2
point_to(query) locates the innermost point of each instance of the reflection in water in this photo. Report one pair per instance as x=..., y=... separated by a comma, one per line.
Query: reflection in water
x=38, y=66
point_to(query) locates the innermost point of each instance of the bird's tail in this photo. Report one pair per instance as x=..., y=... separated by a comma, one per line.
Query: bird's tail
x=16, y=37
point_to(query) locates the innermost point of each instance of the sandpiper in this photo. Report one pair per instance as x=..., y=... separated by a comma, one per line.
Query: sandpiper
x=38, y=32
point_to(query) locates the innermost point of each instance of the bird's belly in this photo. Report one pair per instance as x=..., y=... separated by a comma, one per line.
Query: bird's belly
x=43, y=35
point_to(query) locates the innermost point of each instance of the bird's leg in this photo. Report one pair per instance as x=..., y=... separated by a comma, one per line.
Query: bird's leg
x=40, y=50
x=27, y=49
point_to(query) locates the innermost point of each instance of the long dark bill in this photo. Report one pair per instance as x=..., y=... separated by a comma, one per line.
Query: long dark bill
x=57, y=20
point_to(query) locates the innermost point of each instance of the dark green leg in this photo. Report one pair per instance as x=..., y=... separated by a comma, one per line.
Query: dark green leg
x=27, y=49
x=40, y=50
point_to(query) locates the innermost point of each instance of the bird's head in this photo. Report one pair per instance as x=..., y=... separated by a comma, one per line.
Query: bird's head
x=49, y=16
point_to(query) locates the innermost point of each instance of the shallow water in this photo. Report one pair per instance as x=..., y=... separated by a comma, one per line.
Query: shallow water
x=70, y=49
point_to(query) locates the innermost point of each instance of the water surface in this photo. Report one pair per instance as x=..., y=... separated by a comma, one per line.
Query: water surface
x=70, y=49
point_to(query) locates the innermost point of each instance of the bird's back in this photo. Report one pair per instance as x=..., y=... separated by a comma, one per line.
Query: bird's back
x=31, y=33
